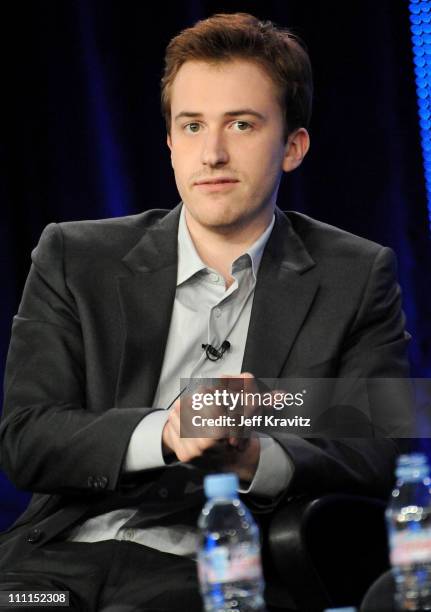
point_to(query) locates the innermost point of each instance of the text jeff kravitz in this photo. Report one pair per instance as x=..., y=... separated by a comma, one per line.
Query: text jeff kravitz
x=254, y=421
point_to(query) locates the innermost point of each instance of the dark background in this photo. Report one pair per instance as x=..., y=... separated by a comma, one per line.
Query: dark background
x=83, y=137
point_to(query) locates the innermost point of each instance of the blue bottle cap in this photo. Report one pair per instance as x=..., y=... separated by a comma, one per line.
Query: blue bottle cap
x=348, y=609
x=221, y=485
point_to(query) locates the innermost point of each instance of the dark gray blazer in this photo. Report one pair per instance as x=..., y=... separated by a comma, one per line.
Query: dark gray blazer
x=88, y=343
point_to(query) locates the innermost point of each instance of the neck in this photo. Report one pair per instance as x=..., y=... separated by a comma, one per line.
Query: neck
x=219, y=247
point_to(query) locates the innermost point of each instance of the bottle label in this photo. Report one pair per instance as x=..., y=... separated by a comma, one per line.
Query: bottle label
x=410, y=546
x=229, y=564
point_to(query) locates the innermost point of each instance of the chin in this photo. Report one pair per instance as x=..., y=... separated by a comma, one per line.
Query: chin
x=220, y=221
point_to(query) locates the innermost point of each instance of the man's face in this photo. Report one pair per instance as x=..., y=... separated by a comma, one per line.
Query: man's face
x=226, y=124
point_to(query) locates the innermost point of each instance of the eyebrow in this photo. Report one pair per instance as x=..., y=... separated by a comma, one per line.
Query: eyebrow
x=233, y=113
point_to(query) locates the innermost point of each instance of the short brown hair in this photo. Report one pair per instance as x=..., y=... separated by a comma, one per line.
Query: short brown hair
x=224, y=37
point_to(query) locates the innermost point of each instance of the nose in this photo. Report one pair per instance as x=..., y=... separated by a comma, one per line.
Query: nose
x=214, y=151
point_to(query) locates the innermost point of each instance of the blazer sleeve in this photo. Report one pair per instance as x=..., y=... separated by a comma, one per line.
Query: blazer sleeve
x=50, y=441
x=374, y=347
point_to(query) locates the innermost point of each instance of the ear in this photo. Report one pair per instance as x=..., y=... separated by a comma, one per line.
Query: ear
x=169, y=143
x=296, y=149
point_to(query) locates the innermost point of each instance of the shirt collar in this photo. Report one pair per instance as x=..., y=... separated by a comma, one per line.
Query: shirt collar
x=189, y=262
x=255, y=251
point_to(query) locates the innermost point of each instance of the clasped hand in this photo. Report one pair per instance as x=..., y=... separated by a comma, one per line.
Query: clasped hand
x=221, y=451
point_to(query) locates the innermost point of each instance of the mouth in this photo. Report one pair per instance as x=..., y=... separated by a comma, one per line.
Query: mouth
x=216, y=184
x=216, y=181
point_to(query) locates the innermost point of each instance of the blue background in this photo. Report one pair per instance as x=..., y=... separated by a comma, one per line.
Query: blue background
x=83, y=136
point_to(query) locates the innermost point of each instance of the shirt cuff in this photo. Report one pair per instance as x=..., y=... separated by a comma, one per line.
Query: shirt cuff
x=274, y=470
x=145, y=447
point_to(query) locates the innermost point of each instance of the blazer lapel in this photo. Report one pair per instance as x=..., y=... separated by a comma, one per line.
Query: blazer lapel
x=147, y=296
x=284, y=292
x=285, y=289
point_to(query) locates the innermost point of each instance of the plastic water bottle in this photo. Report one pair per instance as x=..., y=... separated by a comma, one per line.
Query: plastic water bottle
x=229, y=562
x=409, y=525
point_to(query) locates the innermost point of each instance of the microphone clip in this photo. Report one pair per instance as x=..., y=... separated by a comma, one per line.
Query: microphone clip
x=214, y=354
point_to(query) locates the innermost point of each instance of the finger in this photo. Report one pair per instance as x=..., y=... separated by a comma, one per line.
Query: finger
x=190, y=448
x=242, y=375
x=239, y=444
x=167, y=437
x=175, y=422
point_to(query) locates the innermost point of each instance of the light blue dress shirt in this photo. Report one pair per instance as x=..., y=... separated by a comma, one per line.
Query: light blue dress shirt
x=206, y=312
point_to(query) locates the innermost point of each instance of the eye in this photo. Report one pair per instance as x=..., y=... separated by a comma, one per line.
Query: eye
x=243, y=126
x=190, y=128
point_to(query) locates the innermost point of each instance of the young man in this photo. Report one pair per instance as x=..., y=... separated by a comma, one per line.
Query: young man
x=115, y=312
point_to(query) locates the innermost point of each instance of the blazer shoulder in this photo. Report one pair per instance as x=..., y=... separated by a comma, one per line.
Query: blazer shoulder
x=322, y=239
x=110, y=237
x=116, y=229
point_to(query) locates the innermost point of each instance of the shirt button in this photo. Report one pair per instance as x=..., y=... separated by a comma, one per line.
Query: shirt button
x=214, y=277
x=129, y=534
x=217, y=312
x=163, y=492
